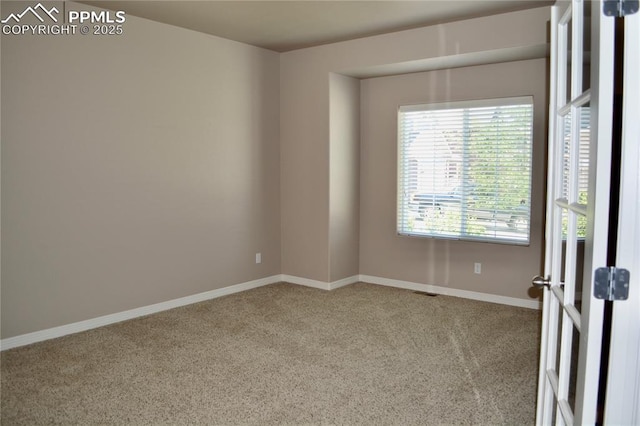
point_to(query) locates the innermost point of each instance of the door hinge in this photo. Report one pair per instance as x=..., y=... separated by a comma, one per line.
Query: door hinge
x=611, y=284
x=620, y=8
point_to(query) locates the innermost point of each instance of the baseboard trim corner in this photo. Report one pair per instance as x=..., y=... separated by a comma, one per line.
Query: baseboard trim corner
x=76, y=327
x=446, y=291
x=307, y=282
x=322, y=285
x=344, y=282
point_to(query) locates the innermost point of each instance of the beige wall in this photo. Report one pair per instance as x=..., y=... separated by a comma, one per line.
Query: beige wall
x=506, y=269
x=136, y=169
x=145, y=167
x=307, y=128
x=344, y=177
x=304, y=171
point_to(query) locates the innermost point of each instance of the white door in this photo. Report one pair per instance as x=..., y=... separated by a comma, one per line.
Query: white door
x=580, y=110
x=623, y=384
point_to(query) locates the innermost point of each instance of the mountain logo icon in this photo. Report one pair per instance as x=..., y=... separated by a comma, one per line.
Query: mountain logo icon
x=38, y=11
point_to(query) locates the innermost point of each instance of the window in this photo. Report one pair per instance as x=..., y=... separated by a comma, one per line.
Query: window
x=582, y=179
x=464, y=170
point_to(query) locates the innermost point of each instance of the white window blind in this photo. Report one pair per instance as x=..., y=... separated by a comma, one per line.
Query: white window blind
x=464, y=170
x=581, y=155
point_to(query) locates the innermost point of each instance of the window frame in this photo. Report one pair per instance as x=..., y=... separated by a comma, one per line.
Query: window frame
x=401, y=199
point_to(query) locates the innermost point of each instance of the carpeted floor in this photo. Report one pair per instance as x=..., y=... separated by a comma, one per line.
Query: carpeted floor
x=285, y=354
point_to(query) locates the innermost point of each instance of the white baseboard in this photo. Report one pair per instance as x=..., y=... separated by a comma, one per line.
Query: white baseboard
x=344, y=282
x=52, y=333
x=322, y=285
x=446, y=291
x=307, y=282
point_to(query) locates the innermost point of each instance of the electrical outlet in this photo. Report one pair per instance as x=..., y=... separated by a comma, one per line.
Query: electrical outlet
x=258, y=257
x=477, y=268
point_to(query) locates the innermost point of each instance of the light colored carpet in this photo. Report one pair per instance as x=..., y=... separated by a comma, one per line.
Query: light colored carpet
x=285, y=354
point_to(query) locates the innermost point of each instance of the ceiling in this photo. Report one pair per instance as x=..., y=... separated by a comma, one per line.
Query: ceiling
x=290, y=25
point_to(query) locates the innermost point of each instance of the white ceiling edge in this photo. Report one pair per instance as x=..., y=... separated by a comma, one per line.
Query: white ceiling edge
x=512, y=54
x=284, y=26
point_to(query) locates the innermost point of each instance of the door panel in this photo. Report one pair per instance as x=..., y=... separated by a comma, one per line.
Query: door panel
x=623, y=385
x=577, y=213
